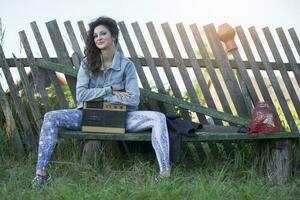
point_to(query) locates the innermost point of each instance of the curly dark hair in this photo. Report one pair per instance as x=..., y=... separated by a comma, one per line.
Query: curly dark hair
x=91, y=52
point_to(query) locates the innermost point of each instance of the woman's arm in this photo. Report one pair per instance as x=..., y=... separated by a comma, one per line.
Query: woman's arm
x=131, y=96
x=83, y=92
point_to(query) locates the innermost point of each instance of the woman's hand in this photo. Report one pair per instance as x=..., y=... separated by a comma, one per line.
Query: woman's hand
x=121, y=94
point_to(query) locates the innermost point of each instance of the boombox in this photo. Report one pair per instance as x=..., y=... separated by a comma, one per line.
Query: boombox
x=103, y=117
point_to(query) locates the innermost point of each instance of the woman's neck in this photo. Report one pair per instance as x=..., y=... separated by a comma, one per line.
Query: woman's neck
x=108, y=55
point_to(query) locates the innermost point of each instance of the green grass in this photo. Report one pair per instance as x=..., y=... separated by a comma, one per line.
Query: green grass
x=112, y=176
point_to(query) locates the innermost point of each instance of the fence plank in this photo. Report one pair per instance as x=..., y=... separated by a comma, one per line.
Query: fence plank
x=197, y=69
x=134, y=55
x=148, y=57
x=11, y=129
x=185, y=76
x=82, y=30
x=288, y=52
x=172, y=63
x=273, y=79
x=245, y=76
x=58, y=90
x=61, y=52
x=166, y=65
x=182, y=69
x=30, y=94
x=255, y=68
x=150, y=62
x=201, y=81
x=170, y=76
x=295, y=39
x=284, y=74
x=29, y=138
x=210, y=68
x=73, y=39
x=38, y=79
x=226, y=70
x=134, y=58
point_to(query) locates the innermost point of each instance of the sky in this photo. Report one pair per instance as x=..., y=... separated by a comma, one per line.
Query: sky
x=16, y=14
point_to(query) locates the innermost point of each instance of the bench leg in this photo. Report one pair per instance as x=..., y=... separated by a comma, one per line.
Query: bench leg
x=279, y=164
x=91, y=148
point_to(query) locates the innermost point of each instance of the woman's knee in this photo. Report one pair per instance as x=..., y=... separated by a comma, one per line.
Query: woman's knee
x=49, y=115
x=52, y=116
x=159, y=117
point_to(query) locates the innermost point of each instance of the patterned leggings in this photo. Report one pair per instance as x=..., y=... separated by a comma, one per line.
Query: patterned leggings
x=136, y=121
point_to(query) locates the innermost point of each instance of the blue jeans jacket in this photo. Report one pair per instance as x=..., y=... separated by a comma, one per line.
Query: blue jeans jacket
x=121, y=76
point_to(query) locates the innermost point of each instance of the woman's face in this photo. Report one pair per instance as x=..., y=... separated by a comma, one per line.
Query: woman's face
x=103, y=38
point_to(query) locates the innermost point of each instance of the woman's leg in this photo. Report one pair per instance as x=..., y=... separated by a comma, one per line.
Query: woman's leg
x=141, y=120
x=68, y=118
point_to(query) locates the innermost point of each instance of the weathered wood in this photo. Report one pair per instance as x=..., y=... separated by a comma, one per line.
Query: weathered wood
x=284, y=74
x=160, y=97
x=226, y=70
x=200, y=136
x=279, y=165
x=218, y=88
x=170, y=76
x=90, y=150
x=255, y=69
x=246, y=94
x=195, y=107
x=73, y=39
x=38, y=79
x=148, y=57
x=28, y=134
x=11, y=128
x=182, y=69
x=172, y=63
x=134, y=58
x=273, y=79
x=29, y=91
x=76, y=60
x=58, y=90
x=69, y=71
x=245, y=76
x=61, y=52
x=166, y=65
x=202, y=83
x=295, y=39
x=288, y=52
x=82, y=30
x=275, y=154
x=150, y=62
x=197, y=70
x=210, y=68
x=134, y=55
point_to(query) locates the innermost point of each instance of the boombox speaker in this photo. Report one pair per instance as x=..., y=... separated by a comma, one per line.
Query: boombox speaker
x=103, y=117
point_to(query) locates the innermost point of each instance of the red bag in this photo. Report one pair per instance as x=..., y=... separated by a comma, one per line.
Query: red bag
x=263, y=120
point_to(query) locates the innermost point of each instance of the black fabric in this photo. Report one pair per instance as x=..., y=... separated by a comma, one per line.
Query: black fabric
x=176, y=128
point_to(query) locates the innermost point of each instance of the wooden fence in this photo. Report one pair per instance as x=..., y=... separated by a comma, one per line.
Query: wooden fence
x=226, y=82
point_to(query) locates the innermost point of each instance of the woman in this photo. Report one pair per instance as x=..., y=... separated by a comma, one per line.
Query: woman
x=104, y=73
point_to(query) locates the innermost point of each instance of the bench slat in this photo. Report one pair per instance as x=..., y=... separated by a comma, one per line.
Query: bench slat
x=198, y=136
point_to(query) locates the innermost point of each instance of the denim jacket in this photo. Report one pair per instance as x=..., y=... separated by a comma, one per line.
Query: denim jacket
x=121, y=76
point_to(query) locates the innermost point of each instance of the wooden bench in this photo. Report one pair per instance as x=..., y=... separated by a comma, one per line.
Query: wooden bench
x=234, y=72
x=279, y=162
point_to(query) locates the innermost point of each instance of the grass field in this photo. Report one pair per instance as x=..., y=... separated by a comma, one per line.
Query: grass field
x=113, y=176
